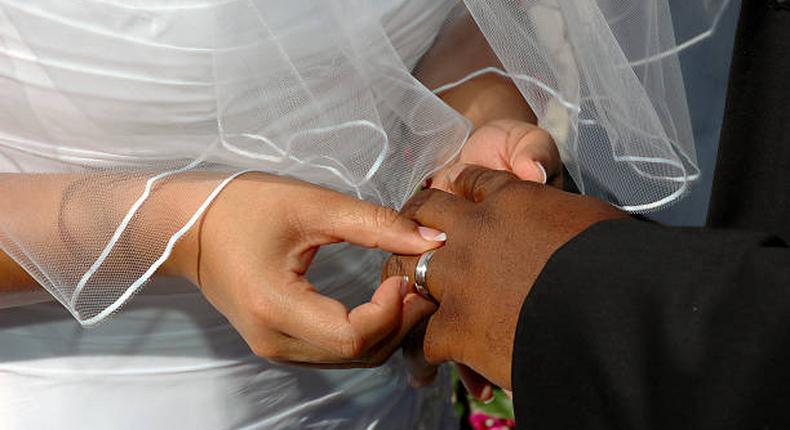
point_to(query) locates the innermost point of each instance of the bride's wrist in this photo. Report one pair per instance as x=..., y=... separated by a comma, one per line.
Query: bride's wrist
x=183, y=259
x=488, y=98
x=185, y=195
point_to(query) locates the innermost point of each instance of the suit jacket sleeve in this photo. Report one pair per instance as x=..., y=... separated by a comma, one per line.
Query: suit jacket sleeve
x=632, y=325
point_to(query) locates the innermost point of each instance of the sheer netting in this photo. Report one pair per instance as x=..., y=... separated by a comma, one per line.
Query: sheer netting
x=113, y=111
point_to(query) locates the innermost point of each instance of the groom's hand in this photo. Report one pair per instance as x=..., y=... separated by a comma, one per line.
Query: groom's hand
x=501, y=232
x=509, y=141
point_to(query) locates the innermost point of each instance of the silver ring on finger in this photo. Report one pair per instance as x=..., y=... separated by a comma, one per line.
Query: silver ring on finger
x=421, y=275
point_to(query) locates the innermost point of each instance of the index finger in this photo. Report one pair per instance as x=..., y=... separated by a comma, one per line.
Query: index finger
x=340, y=218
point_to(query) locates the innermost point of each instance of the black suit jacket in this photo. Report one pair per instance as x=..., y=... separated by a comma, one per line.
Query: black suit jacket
x=637, y=326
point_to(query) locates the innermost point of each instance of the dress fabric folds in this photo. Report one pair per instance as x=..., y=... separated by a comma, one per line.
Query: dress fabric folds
x=107, y=104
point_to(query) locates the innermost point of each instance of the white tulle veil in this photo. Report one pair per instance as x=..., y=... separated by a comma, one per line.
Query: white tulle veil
x=112, y=100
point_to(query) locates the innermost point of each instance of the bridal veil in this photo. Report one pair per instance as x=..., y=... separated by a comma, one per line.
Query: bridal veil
x=108, y=102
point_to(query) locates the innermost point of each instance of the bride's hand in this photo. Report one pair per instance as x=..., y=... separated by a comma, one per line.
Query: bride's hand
x=518, y=147
x=250, y=253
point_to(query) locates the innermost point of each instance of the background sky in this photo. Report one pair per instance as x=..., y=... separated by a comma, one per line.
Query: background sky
x=706, y=68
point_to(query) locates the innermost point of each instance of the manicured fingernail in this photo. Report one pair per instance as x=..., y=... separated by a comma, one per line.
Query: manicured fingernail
x=543, y=171
x=432, y=234
x=487, y=395
x=404, y=286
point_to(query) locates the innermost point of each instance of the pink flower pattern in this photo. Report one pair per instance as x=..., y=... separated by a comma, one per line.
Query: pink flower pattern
x=480, y=421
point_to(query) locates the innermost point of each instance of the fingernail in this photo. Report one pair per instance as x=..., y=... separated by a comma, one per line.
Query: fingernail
x=487, y=395
x=432, y=234
x=404, y=286
x=543, y=171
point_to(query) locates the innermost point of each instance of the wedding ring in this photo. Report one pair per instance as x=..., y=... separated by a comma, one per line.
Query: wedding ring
x=421, y=274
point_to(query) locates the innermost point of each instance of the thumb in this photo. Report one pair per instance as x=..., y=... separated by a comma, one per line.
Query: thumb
x=535, y=157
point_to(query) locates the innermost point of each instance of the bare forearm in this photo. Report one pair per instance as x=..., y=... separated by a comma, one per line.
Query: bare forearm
x=13, y=278
x=17, y=288
x=488, y=98
x=57, y=217
x=459, y=50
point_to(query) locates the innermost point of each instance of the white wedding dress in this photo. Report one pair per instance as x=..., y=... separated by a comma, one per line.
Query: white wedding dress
x=116, y=97
x=168, y=360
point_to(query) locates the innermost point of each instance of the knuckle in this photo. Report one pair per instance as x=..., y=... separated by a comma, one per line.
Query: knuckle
x=352, y=346
x=262, y=312
x=490, y=182
x=394, y=266
x=409, y=210
x=463, y=257
x=297, y=223
x=267, y=350
x=385, y=217
x=483, y=220
x=387, y=268
x=472, y=180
